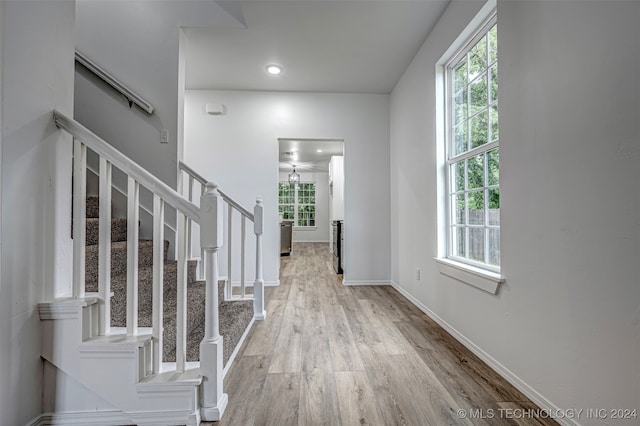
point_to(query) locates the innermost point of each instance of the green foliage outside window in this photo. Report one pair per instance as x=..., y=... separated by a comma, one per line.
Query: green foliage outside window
x=474, y=166
x=297, y=203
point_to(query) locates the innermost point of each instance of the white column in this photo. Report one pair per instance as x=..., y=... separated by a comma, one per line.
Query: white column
x=79, y=216
x=214, y=400
x=259, y=312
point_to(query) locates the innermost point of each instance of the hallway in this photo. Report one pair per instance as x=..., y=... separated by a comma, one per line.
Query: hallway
x=329, y=354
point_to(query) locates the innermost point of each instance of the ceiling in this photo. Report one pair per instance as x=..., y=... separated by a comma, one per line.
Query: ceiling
x=360, y=46
x=303, y=153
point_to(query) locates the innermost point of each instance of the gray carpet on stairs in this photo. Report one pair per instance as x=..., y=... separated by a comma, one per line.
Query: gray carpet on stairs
x=234, y=316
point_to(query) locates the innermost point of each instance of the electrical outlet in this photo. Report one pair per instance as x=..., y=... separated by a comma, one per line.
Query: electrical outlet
x=164, y=136
x=417, y=274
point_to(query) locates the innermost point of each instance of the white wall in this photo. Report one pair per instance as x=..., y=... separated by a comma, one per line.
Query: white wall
x=321, y=231
x=138, y=42
x=566, y=324
x=1, y=133
x=239, y=151
x=37, y=60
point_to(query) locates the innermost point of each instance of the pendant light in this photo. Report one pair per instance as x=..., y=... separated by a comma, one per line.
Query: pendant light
x=294, y=178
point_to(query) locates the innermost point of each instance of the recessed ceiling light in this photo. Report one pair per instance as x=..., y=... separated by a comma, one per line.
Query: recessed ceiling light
x=274, y=69
x=319, y=150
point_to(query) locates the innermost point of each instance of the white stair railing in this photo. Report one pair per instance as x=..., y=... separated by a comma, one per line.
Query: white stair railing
x=210, y=219
x=234, y=209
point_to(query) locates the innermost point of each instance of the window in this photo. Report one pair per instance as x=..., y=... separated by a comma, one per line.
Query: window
x=472, y=152
x=298, y=203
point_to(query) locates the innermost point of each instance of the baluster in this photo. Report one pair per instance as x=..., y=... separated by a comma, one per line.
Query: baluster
x=104, y=247
x=189, y=223
x=229, y=285
x=202, y=265
x=258, y=287
x=214, y=400
x=79, y=216
x=133, y=199
x=181, y=303
x=158, y=281
x=242, y=244
x=191, y=188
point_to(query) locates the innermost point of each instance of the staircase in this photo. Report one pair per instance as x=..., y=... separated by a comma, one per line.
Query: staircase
x=141, y=340
x=235, y=315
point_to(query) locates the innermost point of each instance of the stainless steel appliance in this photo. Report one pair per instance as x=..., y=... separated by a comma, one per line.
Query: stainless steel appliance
x=338, y=246
x=286, y=227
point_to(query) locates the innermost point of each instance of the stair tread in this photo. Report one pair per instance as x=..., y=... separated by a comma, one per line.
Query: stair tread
x=119, y=259
x=235, y=315
x=118, y=337
x=172, y=378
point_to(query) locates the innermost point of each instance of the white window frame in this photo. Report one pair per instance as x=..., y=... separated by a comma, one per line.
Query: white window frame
x=296, y=205
x=482, y=275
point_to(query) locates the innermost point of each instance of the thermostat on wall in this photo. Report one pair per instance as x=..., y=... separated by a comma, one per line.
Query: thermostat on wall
x=214, y=109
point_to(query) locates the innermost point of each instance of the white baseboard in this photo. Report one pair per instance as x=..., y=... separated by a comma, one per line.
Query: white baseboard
x=115, y=417
x=503, y=371
x=237, y=349
x=94, y=418
x=365, y=282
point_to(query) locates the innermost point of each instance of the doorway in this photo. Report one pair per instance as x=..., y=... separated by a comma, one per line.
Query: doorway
x=310, y=190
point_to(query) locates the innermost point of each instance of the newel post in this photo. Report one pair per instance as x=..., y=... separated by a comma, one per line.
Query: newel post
x=258, y=287
x=214, y=401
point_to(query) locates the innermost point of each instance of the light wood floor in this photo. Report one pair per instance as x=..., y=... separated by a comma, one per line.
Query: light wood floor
x=334, y=355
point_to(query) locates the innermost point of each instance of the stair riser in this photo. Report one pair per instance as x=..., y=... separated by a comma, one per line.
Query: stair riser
x=93, y=207
x=234, y=315
x=118, y=230
x=119, y=259
x=195, y=294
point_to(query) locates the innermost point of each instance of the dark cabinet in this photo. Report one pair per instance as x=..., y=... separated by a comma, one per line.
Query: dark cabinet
x=338, y=246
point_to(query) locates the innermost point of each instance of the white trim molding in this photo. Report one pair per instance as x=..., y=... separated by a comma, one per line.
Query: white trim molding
x=64, y=308
x=96, y=418
x=237, y=349
x=480, y=278
x=503, y=371
x=115, y=417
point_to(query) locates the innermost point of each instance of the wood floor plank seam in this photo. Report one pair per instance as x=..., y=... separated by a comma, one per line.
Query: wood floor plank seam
x=328, y=354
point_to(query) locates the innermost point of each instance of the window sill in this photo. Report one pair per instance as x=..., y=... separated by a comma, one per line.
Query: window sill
x=476, y=277
x=305, y=228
